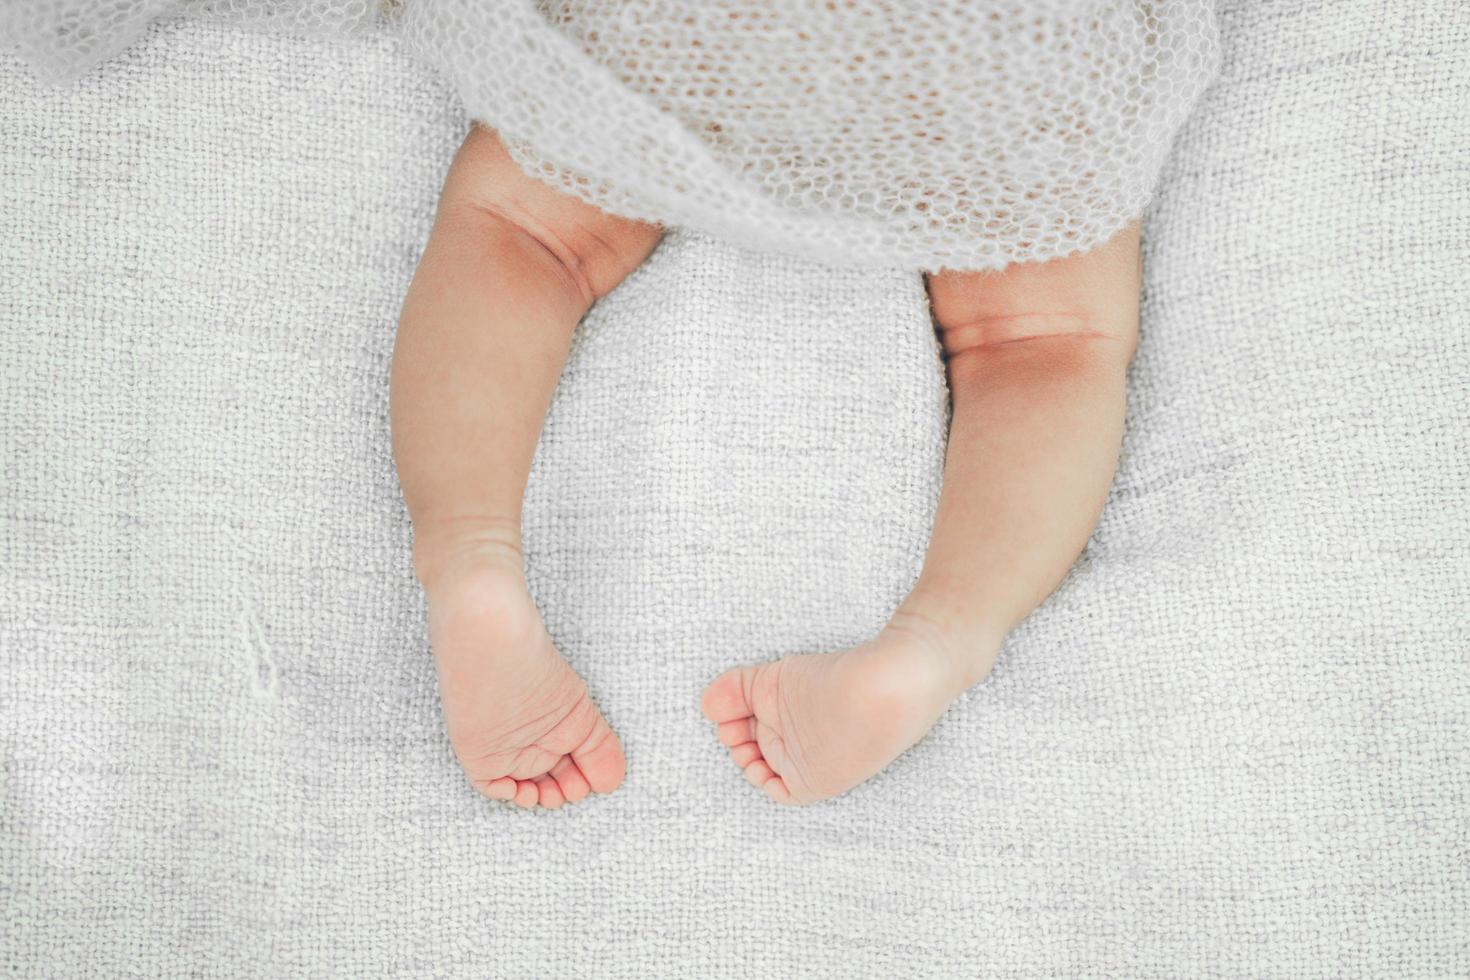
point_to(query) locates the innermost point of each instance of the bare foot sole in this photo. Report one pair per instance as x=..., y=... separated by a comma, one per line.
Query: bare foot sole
x=519, y=718
x=811, y=726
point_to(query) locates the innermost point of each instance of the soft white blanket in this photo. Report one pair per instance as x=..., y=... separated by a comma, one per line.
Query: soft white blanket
x=1234, y=743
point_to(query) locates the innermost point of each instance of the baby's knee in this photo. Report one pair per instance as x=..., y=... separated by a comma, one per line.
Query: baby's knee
x=598, y=250
x=1091, y=294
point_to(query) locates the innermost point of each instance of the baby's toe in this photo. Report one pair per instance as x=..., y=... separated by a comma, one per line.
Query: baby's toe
x=758, y=773
x=600, y=757
x=777, y=790
x=736, y=732
x=745, y=753
x=574, y=785
x=526, y=794
x=503, y=788
x=725, y=699
x=548, y=793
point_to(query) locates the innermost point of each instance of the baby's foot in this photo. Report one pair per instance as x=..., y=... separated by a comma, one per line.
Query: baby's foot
x=519, y=718
x=811, y=726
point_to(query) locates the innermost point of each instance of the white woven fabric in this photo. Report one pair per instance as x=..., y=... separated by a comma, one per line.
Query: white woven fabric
x=920, y=133
x=1233, y=744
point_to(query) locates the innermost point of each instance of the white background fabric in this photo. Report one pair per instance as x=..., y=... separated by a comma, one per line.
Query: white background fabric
x=1234, y=742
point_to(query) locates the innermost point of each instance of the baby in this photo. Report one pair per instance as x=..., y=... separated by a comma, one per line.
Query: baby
x=1036, y=357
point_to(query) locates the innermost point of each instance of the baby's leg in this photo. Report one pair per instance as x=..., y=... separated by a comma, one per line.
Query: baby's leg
x=510, y=268
x=1036, y=357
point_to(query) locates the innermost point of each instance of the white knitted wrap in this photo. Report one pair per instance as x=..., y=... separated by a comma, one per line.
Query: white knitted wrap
x=916, y=133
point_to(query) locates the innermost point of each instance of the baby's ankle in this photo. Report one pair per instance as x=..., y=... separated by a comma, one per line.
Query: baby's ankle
x=965, y=652
x=450, y=547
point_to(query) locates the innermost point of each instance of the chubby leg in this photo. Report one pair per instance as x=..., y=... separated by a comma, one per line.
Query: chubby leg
x=1036, y=356
x=510, y=268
